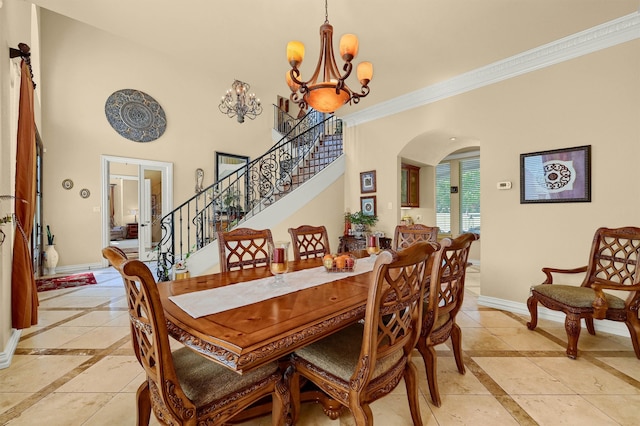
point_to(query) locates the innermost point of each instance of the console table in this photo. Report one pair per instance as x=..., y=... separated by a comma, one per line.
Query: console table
x=352, y=244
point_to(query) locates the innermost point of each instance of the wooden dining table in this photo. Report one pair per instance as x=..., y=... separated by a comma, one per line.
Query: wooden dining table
x=247, y=337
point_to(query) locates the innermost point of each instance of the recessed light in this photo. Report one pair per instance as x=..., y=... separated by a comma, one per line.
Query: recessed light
x=453, y=138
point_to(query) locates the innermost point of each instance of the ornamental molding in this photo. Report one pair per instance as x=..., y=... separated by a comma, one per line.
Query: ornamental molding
x=597, y=38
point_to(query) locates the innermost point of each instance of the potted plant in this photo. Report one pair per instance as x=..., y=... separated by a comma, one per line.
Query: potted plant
x=362, y=221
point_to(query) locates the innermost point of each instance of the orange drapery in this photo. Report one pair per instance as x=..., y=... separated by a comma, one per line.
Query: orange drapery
x=24, y=295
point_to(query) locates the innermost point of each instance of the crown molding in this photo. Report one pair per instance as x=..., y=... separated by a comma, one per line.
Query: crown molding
x=597, y=38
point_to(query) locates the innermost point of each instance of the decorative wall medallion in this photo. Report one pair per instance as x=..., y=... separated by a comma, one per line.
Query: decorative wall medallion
x=67, y=184
x=84, y=193
x=135, y=115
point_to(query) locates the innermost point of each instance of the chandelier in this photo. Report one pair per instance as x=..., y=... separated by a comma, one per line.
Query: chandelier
x=239, y=102
x=331, y=92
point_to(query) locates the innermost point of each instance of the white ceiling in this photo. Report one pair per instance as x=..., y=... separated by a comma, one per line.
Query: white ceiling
x=411, y=43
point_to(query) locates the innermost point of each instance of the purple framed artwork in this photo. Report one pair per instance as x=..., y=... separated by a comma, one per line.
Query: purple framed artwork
x=556, y=176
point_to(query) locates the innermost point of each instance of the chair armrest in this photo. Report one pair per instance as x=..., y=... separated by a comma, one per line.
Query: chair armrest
x=548, y=271
x=600, y=304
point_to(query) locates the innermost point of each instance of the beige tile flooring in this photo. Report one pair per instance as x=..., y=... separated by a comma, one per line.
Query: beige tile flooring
x=76, y=367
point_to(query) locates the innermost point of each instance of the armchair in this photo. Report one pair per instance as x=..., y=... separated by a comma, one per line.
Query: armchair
x=613, y=265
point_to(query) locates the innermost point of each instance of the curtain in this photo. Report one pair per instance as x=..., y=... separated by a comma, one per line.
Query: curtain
x=24, y=295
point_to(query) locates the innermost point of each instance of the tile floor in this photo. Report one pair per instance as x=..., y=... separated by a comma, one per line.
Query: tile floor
x=76, y=367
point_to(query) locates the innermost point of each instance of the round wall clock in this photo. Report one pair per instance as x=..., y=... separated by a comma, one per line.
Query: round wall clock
x=84, y=193
x=135, y=115
x=67, y=184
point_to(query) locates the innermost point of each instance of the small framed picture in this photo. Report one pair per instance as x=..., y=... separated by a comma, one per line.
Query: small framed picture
x=368, y=205
x=368, y=182
x=556, y=176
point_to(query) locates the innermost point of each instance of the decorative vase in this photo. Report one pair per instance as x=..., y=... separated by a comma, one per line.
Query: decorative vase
x=359, y=229
x=51, y=259
x=279, y=259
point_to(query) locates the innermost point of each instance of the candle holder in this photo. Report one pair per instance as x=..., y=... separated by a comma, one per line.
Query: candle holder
x=279, y=259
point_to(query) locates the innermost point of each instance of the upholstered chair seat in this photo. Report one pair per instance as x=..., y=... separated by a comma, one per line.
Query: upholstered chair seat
x=339, y=353
x=580, y=297
x=196, y=374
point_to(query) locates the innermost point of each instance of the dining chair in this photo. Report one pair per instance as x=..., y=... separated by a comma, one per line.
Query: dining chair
x=243, y=248
x=309, y=242
x=365, y=361
x=406, y=235
x=183, y=387
x=442, y=302
x=613, y=265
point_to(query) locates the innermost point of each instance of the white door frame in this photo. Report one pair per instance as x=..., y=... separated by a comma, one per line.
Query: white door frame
x=167, y=190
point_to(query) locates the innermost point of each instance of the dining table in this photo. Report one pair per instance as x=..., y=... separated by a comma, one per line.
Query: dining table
x=250, y=335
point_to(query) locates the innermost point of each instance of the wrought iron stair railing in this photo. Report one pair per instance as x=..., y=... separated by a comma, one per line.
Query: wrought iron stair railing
x=309, y=145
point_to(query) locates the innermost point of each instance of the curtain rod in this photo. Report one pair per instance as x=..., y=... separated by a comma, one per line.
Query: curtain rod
x=23, y=51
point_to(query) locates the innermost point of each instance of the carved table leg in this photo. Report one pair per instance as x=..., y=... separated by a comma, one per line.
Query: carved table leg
x=572, y=326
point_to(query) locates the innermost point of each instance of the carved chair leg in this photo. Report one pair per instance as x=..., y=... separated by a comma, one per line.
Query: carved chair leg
x=590, y=327
x=411, y=382
x=430, y=365
x=456, y=342
x=361, y=413
x=292, y=380
x=572, y=327
x=634, y=330
x=532, y=304
x=144, y=404
x=281, y=405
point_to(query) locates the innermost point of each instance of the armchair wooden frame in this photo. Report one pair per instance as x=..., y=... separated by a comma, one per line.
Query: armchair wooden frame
x=309, y=242
x=364, y=362
x=443, y=302
x=613, y=265
x=183, y=387
x=406, y=235
x=243, y=248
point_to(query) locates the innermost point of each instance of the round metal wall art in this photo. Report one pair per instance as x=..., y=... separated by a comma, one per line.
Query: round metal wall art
x=84, y=193
x=67, y=184
x=135, y=115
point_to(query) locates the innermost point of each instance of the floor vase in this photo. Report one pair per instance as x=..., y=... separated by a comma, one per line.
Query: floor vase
x=51, y=259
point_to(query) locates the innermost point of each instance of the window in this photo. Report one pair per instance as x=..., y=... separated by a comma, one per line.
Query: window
x=470, y=195
x=443, y=197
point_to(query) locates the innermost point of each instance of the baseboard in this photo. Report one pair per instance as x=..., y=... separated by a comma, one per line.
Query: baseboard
x=78, y=268
x=612, y=327
x=7, y=355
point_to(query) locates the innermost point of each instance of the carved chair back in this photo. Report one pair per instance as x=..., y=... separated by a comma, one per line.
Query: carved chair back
x=243, y=248
x=406, y=235
x=309, y=242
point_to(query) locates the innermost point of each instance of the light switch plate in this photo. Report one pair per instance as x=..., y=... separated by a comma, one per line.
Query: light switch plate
x=504, y=185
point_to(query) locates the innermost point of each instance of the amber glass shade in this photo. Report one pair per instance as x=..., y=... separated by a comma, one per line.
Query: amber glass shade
x=295, y=53
x=365, y=72
x=292, y=84
x=348, y=46
x=322, y=97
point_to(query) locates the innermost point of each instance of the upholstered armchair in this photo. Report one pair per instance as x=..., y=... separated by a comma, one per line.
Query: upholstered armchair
x=613, y=265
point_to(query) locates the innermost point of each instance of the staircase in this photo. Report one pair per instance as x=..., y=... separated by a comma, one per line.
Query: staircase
x=313, y=143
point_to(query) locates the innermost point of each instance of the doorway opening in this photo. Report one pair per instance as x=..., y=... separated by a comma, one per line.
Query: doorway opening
x=136, y=195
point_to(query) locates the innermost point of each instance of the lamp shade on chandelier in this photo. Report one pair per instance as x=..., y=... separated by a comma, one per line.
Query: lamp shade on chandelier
x=326, y=90
x=238, y=102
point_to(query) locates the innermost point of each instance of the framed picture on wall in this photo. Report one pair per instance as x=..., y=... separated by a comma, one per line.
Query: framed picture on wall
x=368, y=205
x=556, y=176
x=368, y=181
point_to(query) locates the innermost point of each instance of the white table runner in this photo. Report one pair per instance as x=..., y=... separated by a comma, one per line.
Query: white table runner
x=206, y=302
